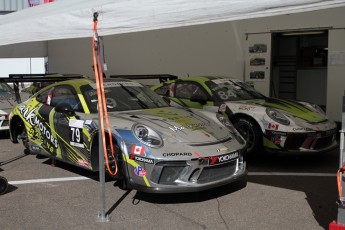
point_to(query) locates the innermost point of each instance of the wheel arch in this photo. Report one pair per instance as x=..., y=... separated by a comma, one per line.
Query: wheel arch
x=15, y=120
x=246, y=116
x=95, y=144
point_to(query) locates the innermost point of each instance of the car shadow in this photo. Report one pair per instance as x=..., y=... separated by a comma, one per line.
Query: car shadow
x=310, y=174
x=190, y=197
x=74, y=169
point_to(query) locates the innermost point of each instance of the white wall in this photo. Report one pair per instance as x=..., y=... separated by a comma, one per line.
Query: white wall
x=336, y=75
x=22, y=50
x=207, y=49
x=199, y=50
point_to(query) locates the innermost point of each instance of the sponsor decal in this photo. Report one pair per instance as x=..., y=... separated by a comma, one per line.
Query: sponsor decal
x=222, y=149
x=142, y=159
x=271, y=132
x=189, y=126
x=186, y=154
x=246, y=107
x=301, y=129
x=139, y=171
x=138, y=150
x=35, y=147
x=222, y=108
x=273, y=126
x=30, y=116
x=276, y=140
x=215, y=160
x=83, y=163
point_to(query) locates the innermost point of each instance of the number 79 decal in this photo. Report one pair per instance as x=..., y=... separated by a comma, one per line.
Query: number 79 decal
x=76, y=133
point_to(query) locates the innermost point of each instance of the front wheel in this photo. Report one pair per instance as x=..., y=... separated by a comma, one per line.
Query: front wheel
x=120, y=177
x=20, y=133
x=250, y=132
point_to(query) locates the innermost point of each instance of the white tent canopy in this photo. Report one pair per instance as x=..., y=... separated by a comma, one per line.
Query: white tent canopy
x=74, y=18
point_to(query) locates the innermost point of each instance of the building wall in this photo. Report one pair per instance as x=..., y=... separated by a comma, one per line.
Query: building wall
x=36, y=49
x=335, y=73
x=199, y=50
x=13, y=5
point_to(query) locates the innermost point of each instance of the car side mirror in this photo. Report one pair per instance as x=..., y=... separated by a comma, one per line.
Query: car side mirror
x=64, y=108
x=199, y=98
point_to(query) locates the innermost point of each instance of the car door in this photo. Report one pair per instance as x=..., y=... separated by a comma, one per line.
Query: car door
x=73, y=140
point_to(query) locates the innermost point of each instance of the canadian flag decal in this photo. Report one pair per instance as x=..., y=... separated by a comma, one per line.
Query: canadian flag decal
x=273, y=126
x=138, y=150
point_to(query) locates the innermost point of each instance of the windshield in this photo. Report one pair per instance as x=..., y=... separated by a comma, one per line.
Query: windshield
x=123, y=96
x=232, y=90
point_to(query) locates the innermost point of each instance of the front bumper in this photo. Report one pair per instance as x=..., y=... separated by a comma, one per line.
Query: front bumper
x=300, y=142
x=191, y=176
x=183, y=189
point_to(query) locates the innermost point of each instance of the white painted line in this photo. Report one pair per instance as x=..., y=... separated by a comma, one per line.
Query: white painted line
x=47, y=180
x=291, y=174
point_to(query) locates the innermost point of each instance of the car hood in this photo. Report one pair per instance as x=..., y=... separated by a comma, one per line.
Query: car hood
x=176, y=124
x=288, y=107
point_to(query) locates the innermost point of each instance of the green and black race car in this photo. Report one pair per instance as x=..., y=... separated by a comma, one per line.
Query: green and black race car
x=277, y=125
x=158, y=148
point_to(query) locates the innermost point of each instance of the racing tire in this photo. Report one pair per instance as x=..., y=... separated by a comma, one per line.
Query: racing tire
x=120, y=177
x=251, y=133
x=3, y=185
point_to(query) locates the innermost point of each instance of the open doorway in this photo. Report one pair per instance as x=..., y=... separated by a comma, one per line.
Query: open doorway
x=299, y=66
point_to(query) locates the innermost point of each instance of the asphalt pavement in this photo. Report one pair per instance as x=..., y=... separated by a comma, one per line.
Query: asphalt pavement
x=282, y=193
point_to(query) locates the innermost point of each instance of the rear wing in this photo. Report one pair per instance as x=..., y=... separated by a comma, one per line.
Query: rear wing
x=50, y=77
x=161, y=77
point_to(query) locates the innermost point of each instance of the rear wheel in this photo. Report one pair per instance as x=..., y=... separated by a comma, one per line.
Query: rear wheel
x=250, y=132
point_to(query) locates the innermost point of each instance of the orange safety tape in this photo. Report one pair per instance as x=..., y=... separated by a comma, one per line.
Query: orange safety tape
x=102, y=108
x=340, y=187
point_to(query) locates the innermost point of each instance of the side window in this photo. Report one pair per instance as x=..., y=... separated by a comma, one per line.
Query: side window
x=188, y=89
x=164, y=90
x=43, y=96
x=65, y=94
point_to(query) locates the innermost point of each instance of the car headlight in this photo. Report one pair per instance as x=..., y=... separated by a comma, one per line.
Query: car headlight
x=226, y=122
x=277, y=116
x=147, y=136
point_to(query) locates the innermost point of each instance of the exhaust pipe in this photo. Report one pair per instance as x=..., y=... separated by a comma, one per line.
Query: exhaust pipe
x=3, y=185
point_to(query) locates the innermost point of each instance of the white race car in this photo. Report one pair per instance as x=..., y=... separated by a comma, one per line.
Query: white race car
x=7, y=101
x=277, y=125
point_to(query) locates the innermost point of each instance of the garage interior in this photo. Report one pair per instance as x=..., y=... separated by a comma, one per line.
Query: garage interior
x=299, y=60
